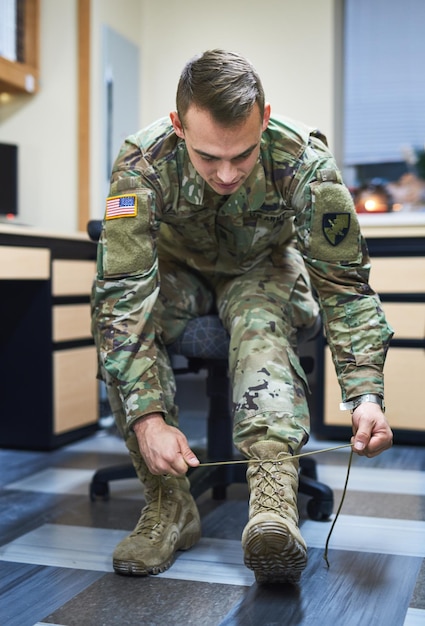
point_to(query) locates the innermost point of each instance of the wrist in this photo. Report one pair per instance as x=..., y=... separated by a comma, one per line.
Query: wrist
x=352, y=404
x=144, y=420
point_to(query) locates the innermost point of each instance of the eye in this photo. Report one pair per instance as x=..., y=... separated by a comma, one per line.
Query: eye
x=242, y=157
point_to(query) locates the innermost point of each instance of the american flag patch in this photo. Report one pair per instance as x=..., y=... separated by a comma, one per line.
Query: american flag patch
x=121, y=206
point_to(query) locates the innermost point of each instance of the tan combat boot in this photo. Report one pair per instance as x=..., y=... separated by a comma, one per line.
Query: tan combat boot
x=169, y=522
x=272, y=543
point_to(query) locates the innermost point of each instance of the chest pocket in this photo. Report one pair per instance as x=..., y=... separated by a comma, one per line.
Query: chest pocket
x=272, y=228
x=193, y=229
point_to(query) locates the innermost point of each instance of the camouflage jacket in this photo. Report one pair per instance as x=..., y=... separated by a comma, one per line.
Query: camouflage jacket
x=295, y=188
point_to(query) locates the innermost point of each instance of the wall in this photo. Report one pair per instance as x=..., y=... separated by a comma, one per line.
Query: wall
x=124, y=17
x=291, y=43
x=45, y=126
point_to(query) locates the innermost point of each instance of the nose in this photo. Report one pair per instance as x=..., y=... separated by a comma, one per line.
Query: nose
x=227, y=173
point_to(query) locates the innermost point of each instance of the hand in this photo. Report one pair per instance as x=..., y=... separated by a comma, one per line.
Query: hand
x=372, y=433
x=164, y=448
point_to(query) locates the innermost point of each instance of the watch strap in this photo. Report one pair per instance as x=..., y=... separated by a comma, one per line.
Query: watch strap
x=367, y=397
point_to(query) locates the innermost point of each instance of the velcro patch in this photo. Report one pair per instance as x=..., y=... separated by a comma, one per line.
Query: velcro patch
x=335, y=232
x=121, y=206
x=128, y=244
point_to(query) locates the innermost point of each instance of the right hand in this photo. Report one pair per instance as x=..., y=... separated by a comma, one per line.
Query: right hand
x=164, y=448
x=371, y=431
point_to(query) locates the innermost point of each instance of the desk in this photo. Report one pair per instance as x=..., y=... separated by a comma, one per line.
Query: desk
x=397, y=250
x=49, y=392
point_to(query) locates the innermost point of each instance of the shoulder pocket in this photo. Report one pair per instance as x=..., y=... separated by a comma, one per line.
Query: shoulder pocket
x=128, y=234
x=335, y=231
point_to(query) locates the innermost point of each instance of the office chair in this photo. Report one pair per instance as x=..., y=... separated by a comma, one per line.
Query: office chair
x=204, y=344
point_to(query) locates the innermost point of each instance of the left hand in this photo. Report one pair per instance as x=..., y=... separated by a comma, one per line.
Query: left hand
x=371, y=431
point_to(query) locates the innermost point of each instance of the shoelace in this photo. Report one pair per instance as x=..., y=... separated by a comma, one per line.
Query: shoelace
x=273, y=461
x=151, y=518
x=298, y=456
x=270, y=496
x=344, y=491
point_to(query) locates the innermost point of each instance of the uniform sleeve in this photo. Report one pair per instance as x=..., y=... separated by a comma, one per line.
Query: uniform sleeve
x=337, y=259
x=124, y=294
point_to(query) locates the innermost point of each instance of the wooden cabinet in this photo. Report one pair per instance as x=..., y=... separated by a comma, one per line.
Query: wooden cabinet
x=22, y=76
x=48, y=363
x=74, y=394
x=398, y=275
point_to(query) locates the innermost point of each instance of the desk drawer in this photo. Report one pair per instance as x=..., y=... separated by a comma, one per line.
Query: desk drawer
x=72, y=278
x=71, y=321
x=19, y=263
x=404, y=380
x=398, y=274
x=75, y=389
x=406, y=318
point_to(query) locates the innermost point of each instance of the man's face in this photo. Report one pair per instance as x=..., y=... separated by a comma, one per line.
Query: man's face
x=223, y=156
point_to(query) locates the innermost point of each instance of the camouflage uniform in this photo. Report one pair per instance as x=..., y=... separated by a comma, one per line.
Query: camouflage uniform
x=171, y=249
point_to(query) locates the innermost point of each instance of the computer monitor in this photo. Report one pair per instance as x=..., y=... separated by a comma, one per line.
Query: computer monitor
x=8, y=179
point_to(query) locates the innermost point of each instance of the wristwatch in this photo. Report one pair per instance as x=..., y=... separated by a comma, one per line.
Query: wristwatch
x=367, y=397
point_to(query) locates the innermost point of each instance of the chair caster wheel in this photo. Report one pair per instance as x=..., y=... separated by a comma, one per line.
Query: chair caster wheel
x=319, y=511
x=99, y=491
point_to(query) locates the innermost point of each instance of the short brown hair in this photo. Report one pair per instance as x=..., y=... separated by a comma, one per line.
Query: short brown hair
x=224, y=83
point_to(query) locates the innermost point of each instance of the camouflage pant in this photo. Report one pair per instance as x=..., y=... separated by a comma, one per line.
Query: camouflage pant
x=262, y=310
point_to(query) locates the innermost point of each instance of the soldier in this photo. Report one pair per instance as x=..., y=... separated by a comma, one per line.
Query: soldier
x=223, y=207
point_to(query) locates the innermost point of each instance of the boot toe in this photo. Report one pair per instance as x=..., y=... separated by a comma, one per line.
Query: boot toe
x=153, y=551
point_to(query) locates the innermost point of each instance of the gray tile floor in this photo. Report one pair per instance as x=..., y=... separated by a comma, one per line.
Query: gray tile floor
x=56, y=545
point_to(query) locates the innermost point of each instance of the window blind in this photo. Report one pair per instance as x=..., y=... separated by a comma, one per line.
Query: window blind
x=384, y=79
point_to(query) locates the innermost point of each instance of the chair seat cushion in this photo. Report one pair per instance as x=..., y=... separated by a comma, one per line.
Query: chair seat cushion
x=203, y=338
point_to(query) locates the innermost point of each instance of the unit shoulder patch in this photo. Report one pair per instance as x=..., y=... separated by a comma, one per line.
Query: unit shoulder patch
x=335, y=227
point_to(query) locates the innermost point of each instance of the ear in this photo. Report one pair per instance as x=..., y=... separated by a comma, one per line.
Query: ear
x=266, y=117
x=177, y=125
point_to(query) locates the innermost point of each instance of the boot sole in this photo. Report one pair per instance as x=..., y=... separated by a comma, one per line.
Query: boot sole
x=138, y=568
x=273, y=553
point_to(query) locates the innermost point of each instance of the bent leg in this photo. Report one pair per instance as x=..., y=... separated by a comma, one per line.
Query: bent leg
x=183, y=295
x=170, y=520
x=262, y=310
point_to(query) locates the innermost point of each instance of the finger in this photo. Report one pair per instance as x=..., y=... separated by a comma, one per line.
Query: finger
x=373, y=447
x=188, y=457
x=360, y=441
x=181, y=462
x=378, y=445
